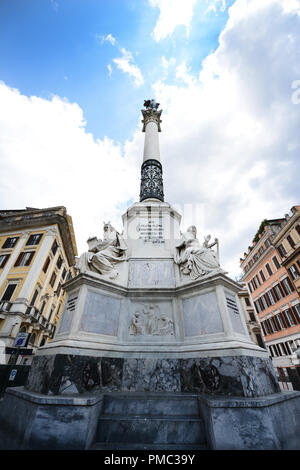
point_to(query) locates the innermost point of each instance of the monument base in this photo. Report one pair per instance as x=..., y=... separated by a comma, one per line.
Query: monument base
x=139, y=420
x=238, y=375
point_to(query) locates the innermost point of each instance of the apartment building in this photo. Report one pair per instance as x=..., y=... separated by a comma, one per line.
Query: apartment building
x=275, y=296
x=37, y=255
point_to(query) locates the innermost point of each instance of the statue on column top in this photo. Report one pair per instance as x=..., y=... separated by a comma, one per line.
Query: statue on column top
x=151, y=105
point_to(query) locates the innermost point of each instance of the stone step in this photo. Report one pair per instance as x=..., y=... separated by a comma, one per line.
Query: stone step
x=143, y=446
x=151, y=429
x=150, y=404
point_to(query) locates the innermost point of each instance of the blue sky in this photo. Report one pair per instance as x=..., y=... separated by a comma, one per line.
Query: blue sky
x=73, y=78
x=56, y=47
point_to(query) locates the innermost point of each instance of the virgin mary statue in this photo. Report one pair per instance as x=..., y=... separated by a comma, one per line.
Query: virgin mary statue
x=195, y=259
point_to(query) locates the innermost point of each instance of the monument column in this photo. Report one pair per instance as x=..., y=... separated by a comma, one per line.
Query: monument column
x=151, y=172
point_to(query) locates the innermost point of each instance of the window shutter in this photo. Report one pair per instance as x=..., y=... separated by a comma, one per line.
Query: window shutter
x=275, y=294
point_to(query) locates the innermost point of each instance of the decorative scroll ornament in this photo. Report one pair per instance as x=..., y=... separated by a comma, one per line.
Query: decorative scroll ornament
x=151, y=180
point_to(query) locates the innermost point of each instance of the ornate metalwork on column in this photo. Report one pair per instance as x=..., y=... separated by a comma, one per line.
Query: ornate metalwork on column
x=151, y=172
x=152, y=181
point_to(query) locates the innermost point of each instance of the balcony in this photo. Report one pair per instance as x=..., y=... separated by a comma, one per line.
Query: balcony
x=5, y=306
x=31, y=314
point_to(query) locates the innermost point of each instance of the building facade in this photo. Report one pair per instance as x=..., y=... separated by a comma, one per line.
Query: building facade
x=274, y=294
x=287, y=243
x=37, y=255
x=252, y=322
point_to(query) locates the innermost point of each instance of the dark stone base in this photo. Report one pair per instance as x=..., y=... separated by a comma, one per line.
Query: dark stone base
x=240, y=376
x=146, y=420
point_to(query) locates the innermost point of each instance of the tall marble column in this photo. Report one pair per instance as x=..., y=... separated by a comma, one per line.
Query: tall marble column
x=151, y=172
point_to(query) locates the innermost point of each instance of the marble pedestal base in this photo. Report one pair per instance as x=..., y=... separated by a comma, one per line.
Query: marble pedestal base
x=242, y=376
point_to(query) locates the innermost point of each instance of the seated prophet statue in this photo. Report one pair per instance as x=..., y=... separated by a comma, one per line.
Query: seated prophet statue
x=103, y=255
x=195, y=259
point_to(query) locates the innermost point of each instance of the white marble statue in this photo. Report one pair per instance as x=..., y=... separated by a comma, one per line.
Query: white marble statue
x=103, y=255
x=148, y=321
x=195, y=259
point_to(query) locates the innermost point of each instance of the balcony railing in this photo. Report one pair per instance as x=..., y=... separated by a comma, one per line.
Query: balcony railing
x=33, y=313
x=5, y=305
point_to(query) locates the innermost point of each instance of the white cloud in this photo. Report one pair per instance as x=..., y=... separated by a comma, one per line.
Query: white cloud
x=229, y=144
x=214, y=5
x=47, y=158
x=127, y=65
x=108, y=38
x=182, y=74
x=230, y=140
x=172, y=13
x=109, y=68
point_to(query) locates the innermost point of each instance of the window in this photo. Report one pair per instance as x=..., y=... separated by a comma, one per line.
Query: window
x=263, y=300
x=271, y=351
x=289, y=351
x=32, y=338
x=51, y=313
x=296, y=310
x=257, y=306
x=10, y=242
x=271, y=298
x=46, y=265
x=59, y=262
x=42, y=307
x=3, y=260
x=252, y=316
x=36, y=293
x=259, y=340
x=58, y=289
x=24, y=258
x=262, y=276
x=64, y=273
x=250, y=286
x=267, y=243
x=52, y=280
x=276, y=262
x=269, y=269
x=281, y=251
x=278, y=291
x=54, y=247
x=293, y=271
x=247, y=301
x=280, y=321
x=261, y=250
x=266, y=327
x=255, y=257
x=291, y=241
x=298, y=228
x=34, y=239
x=8, y=293
x=287, y=286
x=273, y=325
x=289, y=317
x=256, y=281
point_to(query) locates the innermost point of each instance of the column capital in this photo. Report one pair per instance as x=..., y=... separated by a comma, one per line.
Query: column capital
x=151, y=115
